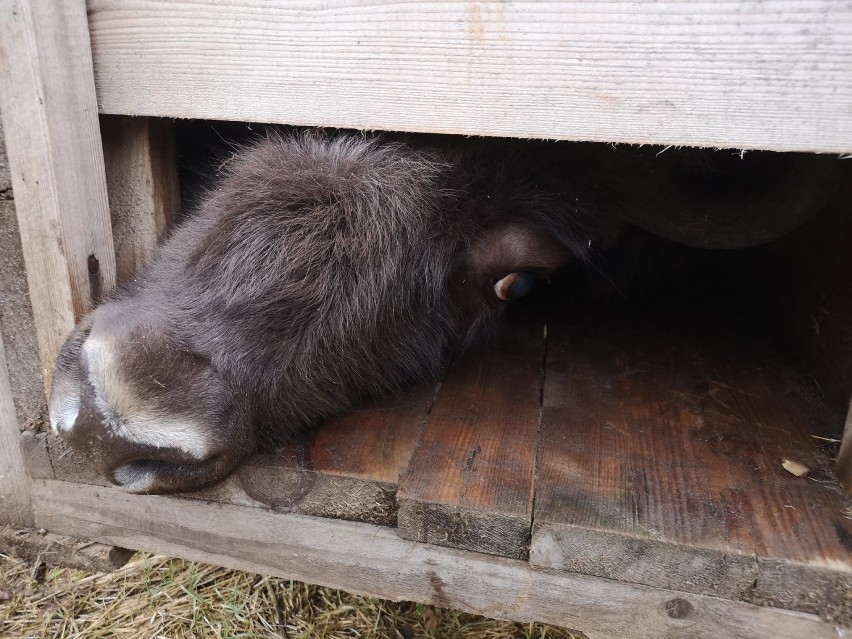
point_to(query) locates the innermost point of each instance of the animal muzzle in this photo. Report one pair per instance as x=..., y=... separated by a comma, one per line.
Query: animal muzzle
x=142, y=440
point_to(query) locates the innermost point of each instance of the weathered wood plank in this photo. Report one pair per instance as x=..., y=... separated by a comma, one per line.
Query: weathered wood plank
x=54, y=145
x=844, y=458
x=662, y=441
x=58, y=550
x=142, y=182
x=349, y=468
x=15, y=486
x=372, y=560
x=744, y=74
x=469, y=483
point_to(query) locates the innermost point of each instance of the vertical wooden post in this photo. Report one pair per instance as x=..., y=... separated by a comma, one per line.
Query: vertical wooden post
x=844, y=459
x=50, y=117
x=15, y=488
x=142, y=180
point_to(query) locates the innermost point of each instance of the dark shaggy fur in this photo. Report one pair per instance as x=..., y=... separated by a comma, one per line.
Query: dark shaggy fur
x=321, y=271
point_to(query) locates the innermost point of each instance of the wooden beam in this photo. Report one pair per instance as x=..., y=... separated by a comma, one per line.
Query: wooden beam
x=844, y=458
x=15, y=483
x=42, y=547
x=54, y=146
x=372, y=560
x=142, y=181
x=743, y=74
x=469, y=483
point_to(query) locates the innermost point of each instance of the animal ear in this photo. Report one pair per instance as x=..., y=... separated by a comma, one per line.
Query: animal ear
x=506, y=261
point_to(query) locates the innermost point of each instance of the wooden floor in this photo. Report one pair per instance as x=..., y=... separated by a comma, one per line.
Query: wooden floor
x=644, y=445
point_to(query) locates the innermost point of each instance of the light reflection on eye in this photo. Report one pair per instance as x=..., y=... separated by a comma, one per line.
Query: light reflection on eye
x=514, y=285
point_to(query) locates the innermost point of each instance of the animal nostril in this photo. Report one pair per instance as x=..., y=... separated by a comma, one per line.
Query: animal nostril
x=155, y=475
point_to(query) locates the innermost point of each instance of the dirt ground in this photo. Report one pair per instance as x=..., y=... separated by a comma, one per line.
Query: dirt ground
x=154, y=597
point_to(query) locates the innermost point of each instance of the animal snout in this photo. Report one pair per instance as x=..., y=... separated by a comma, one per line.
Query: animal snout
x=148, y=416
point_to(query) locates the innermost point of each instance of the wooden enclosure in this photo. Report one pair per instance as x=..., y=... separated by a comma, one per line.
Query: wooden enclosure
x=614, y=472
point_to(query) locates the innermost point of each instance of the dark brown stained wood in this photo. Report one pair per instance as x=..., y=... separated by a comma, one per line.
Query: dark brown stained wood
x=662, y=441
x=470, y=480
x=142, y=182
x=372, y=560
x=349, y=468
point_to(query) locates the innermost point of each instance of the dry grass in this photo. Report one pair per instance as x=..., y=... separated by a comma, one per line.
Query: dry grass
x=153, y=597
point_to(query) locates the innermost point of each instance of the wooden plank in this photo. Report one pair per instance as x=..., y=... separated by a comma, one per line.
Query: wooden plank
x=15, y=495
x=469, y=483
x=142, y=181
x=844, y=458
x=41, y=547
x=349, y=468
x=54, y=145
x=371, y=560
x=744, y=74
x=662, y=441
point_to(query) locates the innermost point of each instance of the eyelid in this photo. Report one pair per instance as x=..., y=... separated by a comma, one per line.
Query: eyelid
x=515, y=285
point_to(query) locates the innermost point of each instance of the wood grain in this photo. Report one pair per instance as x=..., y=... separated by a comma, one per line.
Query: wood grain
x=349, y=468
x=58, y=550
x=53, y=141
x=142, y=181
x=371, y=560
x=662, y=440
x=844, y=458
x=15, y=495
x=469, y=483
x=743, y=74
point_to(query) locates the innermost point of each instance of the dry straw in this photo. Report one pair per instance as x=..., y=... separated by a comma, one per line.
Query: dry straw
x=154, y=597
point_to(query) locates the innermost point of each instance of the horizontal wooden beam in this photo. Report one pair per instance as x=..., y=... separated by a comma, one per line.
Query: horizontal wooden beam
x=372, y=560
x=744, y=74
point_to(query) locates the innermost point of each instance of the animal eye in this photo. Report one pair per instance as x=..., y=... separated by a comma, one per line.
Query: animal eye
x=514, y=285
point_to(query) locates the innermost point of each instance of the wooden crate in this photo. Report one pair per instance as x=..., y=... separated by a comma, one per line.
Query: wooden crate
x=516, y=488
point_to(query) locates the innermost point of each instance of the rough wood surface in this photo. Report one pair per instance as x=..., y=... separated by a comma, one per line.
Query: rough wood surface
x=662, y=441
x=696, y=73
x=373, y=560
x=14, y=482
x=16, y=314
x=53, y=141
x=349, y=468
x=844, y=458
x=469, y=483
x=142, y=181
x=41, y=547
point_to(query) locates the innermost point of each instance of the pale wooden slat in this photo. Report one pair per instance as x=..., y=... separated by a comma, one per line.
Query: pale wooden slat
x=142, y=181
x=744, y=74
x=54, y=146
x=662, y=442
x=372, y=560
x=14, y=481
x=469, y=483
